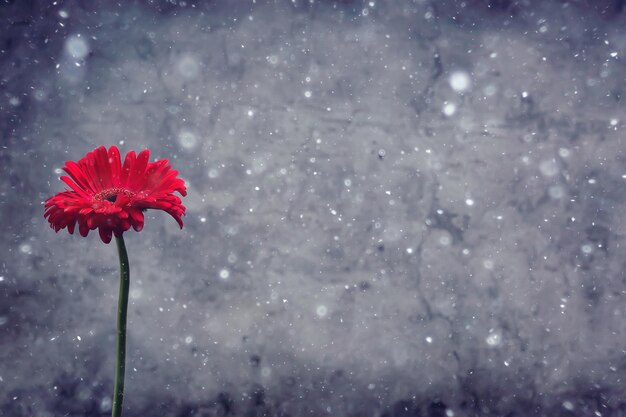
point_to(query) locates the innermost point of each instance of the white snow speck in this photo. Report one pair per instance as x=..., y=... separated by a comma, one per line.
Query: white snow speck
x=549, y=168
x=556, y=192
x=321, y=311
x=105, y=404
x=188, y=67
x=449, y=109
x=494, y=339
x=490, y=90
x=460, y=81
x=224, y=273
x=587, y=249
x=76, y=47
x=187, y=139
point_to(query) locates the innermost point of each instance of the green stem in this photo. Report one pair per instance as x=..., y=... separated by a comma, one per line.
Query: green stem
x=122, y=308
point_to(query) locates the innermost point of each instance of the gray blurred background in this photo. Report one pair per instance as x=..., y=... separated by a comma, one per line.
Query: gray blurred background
x=396, y=208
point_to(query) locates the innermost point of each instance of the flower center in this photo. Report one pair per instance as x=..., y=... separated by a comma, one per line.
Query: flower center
x=111, y=194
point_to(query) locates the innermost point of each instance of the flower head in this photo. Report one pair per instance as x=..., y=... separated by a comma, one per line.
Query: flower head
x=110, y=196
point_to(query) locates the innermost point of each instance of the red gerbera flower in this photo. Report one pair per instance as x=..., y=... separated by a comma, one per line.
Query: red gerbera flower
x=110, y=196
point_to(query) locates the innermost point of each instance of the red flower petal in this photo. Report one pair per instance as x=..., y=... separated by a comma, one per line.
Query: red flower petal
x=105, y=234
x=129, y=161
x=116, y=165
x=107, y=195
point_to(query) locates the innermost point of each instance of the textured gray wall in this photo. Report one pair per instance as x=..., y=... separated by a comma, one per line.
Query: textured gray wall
x=395, y=208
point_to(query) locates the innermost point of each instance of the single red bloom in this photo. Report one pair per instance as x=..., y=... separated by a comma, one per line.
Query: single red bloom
x=110, y=196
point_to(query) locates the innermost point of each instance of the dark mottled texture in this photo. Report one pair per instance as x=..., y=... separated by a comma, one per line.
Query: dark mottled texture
x=408, y=208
